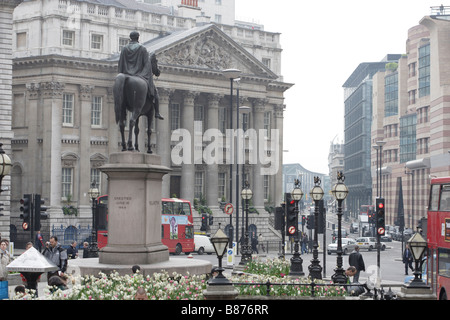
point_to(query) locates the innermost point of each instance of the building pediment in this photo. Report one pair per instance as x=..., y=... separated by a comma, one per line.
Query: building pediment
x=206, y=48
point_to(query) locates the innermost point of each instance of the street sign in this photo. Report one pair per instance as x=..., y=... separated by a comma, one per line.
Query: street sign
x=291, y=230
x=380, y=230
x=25, y=226
x=229, y=208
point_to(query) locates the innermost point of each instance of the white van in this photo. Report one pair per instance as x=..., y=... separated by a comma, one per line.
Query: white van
x=203, y=244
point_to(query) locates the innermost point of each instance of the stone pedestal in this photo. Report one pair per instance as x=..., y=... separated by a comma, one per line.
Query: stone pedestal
x=220, y=292
x=411, y=292
x=134, y=203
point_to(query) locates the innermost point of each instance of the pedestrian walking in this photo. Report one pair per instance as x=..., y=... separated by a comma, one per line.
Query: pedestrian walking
x=408, y=259
x=39, y=241
x=5, y=259
x=72, y=251
x=356, y=260
x=261, y=242
x=55, y=253
x=85, y=249
x=304, y=243
x=254, y=243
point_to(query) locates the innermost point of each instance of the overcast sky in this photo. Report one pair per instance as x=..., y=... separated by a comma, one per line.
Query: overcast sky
x=323, y=42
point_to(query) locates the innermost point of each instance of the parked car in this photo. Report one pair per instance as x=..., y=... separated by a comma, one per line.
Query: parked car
x=203, y=244
x=386, y=238
x=354, y=227
x=369, y=243
x=348, y=245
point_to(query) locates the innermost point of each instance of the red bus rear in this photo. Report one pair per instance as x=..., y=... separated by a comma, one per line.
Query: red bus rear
x=438, y=237
x=177, y=225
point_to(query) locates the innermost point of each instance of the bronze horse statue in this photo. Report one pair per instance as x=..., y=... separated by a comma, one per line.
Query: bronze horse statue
x=131, y=94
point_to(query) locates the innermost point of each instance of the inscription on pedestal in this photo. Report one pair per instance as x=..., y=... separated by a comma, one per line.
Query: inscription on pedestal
x=121, y=202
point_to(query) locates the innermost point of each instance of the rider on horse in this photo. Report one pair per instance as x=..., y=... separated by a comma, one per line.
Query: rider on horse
x=135, y=61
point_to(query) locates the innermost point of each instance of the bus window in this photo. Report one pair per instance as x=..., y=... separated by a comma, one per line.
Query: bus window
x=445, y=198
x=434, y=199
x=444, y=262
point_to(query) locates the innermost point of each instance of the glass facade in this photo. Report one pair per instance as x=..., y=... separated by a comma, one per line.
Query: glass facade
x=424, y=70
x=391, y=95
x=408, y=143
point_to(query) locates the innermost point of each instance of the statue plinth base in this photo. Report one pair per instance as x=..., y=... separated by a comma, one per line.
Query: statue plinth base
x=134, y=209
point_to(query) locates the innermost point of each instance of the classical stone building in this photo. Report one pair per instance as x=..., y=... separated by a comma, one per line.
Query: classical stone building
x=411, y=104
x=63, y=108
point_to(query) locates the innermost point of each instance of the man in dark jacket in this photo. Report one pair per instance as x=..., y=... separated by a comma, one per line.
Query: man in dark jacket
x=356, y=260
x=55, y=253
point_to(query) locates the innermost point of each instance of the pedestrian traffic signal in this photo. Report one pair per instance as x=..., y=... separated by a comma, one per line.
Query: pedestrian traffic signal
x=204, y=222
x=291, y=215
x=380, y=216
x=39, y=212
x=211, y=219
x=25, y=208
x=310, y=222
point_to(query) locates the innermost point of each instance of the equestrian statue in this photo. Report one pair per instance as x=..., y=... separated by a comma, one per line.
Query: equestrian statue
x=135, y=91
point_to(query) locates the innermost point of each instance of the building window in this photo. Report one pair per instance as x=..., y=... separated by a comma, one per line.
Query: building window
x=96, y=111
x=95, y=176
x=267, y=124
x=424, y=71
x=96, y=41
x=218, y=18
x=198, y=185
x=21, y=40
x=66, y=180
x=266, y=62
x=408, y=143
x=123, y=42
x=412, y=69
x=68, y=38
x=266, y=187
x=223, y=120
x=222, y=184
x=199, y=113
x=412, y=97
x=174, y=116
x=67, y=109
x=391, y=95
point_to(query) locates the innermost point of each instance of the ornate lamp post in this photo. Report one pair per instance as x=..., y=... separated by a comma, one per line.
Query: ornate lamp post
x=93, y=248
x=232, y=74
x=315, y=270
x=418, y=245
x=5, y=165
x=340, y=192
x=246, y=195
x=296, y=260
x=219, y=242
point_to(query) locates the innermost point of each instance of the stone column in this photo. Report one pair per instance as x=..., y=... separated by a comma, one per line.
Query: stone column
x=6, y=134
x=163, y=142
x=188, y=169
x=212, y=170
x=278, y=191
x=52, y=93
x=85, y=147
x=258, y=180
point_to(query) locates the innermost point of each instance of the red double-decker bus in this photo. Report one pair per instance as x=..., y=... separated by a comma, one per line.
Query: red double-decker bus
x=438, y=237
x=177, y=224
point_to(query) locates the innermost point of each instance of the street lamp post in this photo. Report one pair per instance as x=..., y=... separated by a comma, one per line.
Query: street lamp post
x=5, y=165
x=246, y=256
x=232, y=74
x=315, y=270
x=418, y=245
x=219, y=242
x=93, y=248
x=296, y=260
x=340, y=192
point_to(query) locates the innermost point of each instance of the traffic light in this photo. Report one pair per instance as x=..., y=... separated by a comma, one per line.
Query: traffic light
x=204, y=222
x=211, y=219
x=25, y=208
x=303, y=220
x=380, y=216
x=279, y=217
x=291, y=215
x=39, y=212
x=310, y=222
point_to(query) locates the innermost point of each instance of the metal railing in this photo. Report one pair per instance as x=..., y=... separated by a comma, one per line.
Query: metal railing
x=71, y=233
x=378, y=294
